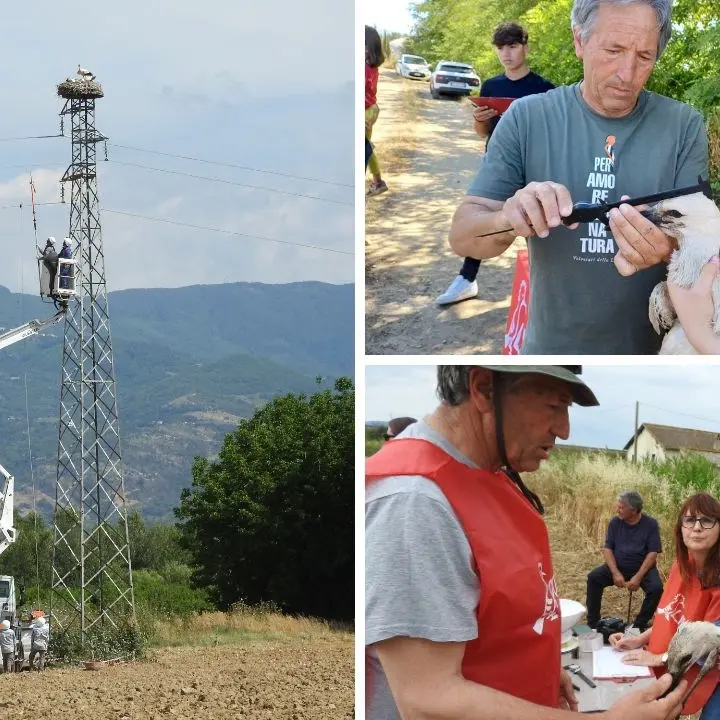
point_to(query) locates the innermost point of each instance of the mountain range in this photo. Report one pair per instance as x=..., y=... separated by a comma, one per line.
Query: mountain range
x=190, y=362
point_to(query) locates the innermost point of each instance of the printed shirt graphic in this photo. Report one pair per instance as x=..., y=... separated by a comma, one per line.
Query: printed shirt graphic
x=601, y=180
x=674, y=610
x=579, y=303
x=609, y=145
x=551, y=611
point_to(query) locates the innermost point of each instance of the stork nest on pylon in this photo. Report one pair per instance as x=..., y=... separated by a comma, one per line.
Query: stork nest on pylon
x=78, y=89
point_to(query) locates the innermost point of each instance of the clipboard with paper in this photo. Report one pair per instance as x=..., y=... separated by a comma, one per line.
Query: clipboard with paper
x=608, y=665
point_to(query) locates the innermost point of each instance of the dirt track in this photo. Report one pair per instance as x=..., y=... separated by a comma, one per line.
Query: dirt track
x=407, y=257
x=294, y=680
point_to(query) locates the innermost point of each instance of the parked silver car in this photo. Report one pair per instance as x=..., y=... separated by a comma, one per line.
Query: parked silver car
x=453, y=78
x=413, y=66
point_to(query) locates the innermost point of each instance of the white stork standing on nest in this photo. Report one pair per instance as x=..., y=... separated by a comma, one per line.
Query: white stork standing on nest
x=85, y=74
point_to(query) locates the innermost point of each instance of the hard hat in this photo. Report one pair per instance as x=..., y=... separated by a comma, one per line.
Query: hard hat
x=67, y=241
x=39, y=622
x=5, y=624
x=51, y=240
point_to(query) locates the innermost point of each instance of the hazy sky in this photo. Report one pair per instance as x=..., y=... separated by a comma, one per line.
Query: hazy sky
x=267, y=85
x=391, y=15
x=679, y=396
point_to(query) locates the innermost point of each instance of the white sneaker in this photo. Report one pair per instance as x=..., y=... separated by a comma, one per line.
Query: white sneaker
x=460, y=289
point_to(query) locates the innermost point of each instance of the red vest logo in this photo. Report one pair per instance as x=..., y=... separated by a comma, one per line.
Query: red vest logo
x=674, y=610
x=552, y=602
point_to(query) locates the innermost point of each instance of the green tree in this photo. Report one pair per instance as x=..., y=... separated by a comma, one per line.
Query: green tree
x=153, y=547
x=272, y=519
x=374, y=438
x=689, y=70
x=29, y=558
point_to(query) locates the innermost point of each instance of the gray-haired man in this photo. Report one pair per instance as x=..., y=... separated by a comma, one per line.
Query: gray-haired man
x=462, y=614
x=632, y=545
x=597, y=140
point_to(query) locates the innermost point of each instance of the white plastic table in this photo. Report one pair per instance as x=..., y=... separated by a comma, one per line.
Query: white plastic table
x=607, y=692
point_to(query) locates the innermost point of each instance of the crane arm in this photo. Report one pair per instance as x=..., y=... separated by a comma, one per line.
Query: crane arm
x=7, y=481
x=7, y=531
x=28, y=329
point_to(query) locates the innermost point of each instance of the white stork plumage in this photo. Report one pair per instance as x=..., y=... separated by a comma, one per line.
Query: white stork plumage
x=693, y=221
x=691, y=642
x=85, y=74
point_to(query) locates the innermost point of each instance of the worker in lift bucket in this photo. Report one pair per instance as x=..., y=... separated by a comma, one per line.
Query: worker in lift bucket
x=66, y=270
x=50, y=260
x=39, y=642
x=7, y=646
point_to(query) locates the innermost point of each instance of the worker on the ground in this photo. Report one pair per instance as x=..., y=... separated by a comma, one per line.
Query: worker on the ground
x=7, y=646
x=65, y=269
x=50, y=260
x=39, y=642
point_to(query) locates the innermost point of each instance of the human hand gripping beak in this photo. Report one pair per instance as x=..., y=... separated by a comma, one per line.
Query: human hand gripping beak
x=641, y=244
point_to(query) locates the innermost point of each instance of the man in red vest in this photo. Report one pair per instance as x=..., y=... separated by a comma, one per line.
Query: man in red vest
x=462, y=617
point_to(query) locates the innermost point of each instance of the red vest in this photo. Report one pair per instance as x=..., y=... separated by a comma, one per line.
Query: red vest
x=518, y=648
x=681, y=602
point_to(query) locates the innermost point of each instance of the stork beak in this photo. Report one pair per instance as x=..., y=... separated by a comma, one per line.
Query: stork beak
x=654, y=215
x=678, y=673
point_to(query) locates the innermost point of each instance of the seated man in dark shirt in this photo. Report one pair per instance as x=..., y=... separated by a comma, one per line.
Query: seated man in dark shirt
x=631, y=548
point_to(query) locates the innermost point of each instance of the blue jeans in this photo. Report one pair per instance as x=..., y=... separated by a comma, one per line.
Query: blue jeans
x=711, y=711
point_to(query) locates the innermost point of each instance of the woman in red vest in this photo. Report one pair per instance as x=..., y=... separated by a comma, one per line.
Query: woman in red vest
x=692, y=592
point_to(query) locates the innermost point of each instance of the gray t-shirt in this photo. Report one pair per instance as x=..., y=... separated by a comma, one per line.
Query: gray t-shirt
x=579, y=303
x=419, y=577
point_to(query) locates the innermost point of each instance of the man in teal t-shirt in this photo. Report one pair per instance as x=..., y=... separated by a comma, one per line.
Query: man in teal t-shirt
x=601, y=139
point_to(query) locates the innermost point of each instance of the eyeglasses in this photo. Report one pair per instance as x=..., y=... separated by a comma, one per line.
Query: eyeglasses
x=706, y=523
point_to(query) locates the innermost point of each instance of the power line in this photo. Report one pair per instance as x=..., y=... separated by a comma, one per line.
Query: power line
x=612, y=409
x=232, y=165
x=21, y=206
x=31, y=137
x=193, y=159
x=231, y=182
x=676, y=412
x=228, y=232
x=37, y=166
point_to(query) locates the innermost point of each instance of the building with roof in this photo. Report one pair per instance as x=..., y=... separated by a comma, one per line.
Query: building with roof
x=659, y=442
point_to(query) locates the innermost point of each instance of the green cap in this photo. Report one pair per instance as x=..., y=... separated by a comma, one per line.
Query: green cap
x=581, y=393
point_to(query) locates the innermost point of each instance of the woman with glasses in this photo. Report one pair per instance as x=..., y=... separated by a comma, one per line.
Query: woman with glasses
x=692, y=592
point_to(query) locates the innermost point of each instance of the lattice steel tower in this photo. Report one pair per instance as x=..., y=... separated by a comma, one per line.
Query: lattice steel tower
x=91, y=576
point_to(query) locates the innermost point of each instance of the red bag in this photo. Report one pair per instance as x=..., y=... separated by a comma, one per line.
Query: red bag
x=519, y=306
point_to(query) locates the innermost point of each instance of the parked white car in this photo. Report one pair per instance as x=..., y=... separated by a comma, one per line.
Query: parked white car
x=413, y=66
x=453, y=78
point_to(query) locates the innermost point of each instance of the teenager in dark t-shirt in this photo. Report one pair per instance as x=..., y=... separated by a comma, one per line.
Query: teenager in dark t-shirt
x=631, y=548
x=511, y=46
